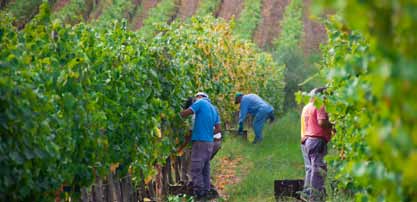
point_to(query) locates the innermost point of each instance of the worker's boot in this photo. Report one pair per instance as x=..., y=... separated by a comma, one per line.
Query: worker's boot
x=212, y=193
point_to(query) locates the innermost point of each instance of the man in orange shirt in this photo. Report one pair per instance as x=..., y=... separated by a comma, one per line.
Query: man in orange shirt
x=315, y=134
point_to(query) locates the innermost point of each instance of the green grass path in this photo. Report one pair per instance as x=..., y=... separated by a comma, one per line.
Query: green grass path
x=277, y=157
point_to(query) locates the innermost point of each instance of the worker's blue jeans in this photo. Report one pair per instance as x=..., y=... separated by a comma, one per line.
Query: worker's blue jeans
x=259, y=122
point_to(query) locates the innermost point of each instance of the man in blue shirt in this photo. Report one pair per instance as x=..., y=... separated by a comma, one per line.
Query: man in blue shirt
x=207, y=123
x=258, y=108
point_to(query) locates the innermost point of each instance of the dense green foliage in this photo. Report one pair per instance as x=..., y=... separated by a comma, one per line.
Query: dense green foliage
x=76, y=99
x=207, y=7
x=118, y=10
x=3, y=3
x=288, y=51
x=233, y=63
x=248, y=19
x=371, y=69
x=74, y=12
x=23, y=11
x=135, y=16
x=291, y=33
x=65, y=103
x=157, y=16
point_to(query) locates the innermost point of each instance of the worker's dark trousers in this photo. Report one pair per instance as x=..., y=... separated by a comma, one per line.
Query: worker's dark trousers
x=314, y=151
x=216, y=147
x=200, y=166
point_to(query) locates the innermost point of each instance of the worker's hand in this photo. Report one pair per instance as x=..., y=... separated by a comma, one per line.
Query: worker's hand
x=240, y=129
x=188, y=138
x=333, y=130
x=271, y=118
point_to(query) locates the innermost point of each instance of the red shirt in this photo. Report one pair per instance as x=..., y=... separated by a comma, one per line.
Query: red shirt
x=310, y=125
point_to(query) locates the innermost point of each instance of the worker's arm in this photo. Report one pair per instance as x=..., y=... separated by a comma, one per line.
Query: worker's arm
x=186, y=113
x=325, y=123
x=323, y=118
x=193, y=109
x=187, y=140
x=217, y=128
x=243, y=112
x=240, y=128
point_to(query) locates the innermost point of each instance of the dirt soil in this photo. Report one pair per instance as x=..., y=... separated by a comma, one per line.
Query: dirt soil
x=230, y=8
x=59, y=5
x=147, y=4
x=226, y=175
x=187, y=8
x=269, y=29
x=314, y=32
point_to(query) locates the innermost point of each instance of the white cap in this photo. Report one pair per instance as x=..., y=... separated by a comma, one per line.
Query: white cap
x=202, y=94
x=312, y=92
x=317, y=91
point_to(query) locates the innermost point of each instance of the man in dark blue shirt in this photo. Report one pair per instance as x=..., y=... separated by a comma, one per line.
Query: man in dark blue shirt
x=207, y=123
x=257, y=107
